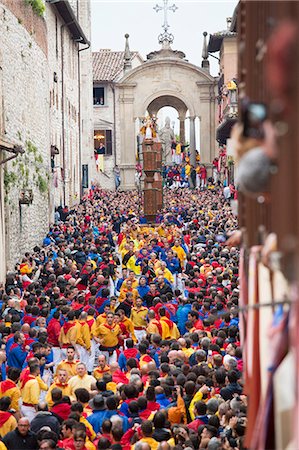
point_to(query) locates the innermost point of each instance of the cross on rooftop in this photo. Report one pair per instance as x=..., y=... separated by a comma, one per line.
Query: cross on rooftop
x=165, y=36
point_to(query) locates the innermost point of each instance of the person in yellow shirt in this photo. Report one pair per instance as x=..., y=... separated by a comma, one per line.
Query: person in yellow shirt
x=154, y=326
x=177, y=414
x=77, y=408
x=102, y=368
x=178, y=153
x=113, y=302
x=138, y=318
x=31, y=386
x=131, y=264
x=187, y=169
x=180, y=252
x=197, y=398
x=69, y=364
x=162, y=231
x=132, y=278
x=126, y=323
x=124, y=290
x=83, y=338
x=61, y=383
x=102, y=318
x=186, y=347
x=69, y=334
x=91, y=322
x=165, y=272
x=82, y=380
x=169, y=328
x=154, y=262
x=206, y=268
x=107, y=335
x=147, y=435
x=7, y=420
x=8, y=388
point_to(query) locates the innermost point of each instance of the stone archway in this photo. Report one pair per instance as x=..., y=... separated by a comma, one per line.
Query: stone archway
x=174, y=102
x=164, y=80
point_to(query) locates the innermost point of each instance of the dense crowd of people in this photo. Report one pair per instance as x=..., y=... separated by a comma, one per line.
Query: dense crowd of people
x=186, y=175
x=116, y=334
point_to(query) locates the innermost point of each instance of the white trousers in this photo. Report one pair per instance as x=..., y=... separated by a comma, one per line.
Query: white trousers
x=92, y=356
x=178, y=158
x=110, y=359
x=215, y=175
x=56, y=356
x=28, y=411
x=140, y=334
x=63, y=353
x=84, y=355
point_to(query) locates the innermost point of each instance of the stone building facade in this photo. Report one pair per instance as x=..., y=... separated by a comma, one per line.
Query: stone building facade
x=166, y=78
x=40, y=111
x=224, y=43
x=108, y=68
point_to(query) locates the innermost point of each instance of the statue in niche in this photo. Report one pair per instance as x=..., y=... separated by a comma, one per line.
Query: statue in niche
x=166, y=136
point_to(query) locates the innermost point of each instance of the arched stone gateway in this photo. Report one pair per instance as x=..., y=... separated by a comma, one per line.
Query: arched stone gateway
x=165, y=79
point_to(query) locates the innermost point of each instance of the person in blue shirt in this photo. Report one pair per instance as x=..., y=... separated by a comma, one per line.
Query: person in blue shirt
x=182, y=316
x=120, y=281
x=111, y=405
x=161, y=397
x=3, y=365
x=143, y=254
x=130, y=393
x=99, y=413
x=158, y=250
x=172, y=263
x=143, y=287
x=17, y=355
x=16, y=326
x=234, y=319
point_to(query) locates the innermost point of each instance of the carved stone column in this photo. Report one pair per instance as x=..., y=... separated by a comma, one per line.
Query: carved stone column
x=192, y=141
x=182, y=129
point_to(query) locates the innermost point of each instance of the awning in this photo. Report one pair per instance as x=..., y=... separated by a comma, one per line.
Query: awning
x=224, y=130
x=216, y=40
x=215, y=43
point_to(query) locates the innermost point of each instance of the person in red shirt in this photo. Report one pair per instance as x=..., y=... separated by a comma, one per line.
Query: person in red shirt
x=53, y=330
x=61, y=407
x=193, y=317
x=203, y=176
x=67, y=428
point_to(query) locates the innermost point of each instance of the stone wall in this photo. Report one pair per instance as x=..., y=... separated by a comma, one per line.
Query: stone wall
x=104, y=120
x=64, y=111
x=86, y=93
x=35, y=25
x=39, y=98
x=26, y=118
